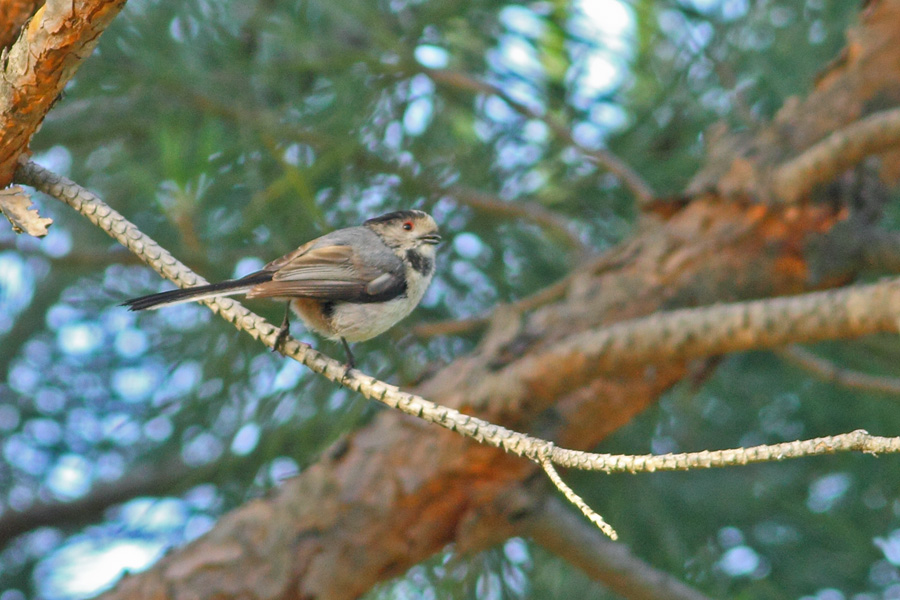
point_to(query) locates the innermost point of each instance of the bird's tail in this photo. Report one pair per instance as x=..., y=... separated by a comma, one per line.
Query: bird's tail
x=200, y=292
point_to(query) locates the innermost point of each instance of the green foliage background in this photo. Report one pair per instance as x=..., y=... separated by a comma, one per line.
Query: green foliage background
x=232, y=131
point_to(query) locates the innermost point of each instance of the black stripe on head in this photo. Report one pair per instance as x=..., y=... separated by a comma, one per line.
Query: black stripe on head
x=399, y=215
x=419, y=262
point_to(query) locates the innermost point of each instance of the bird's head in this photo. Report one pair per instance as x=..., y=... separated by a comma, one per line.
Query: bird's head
x=407, y=230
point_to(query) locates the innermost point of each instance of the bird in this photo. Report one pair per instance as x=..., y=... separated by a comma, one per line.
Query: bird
x=349, y=285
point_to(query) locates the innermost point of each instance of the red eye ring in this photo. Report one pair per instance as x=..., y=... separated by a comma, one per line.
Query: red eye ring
x=408, y=226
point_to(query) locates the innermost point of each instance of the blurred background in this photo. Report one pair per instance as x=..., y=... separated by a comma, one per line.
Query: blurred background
x=232, y=131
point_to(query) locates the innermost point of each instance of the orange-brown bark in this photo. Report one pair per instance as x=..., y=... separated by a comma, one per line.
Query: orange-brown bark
x=397, y=491
x=15, y=13
x=59, y=37
x=863, y=80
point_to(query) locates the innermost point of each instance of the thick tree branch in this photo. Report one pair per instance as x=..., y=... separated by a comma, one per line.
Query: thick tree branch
x=753, y=166
x=689, y=334
x=62, y=34
x=836, y=153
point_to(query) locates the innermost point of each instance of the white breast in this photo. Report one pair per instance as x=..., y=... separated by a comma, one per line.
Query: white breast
x=361, y=322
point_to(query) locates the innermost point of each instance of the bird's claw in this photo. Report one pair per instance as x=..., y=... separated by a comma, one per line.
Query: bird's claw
x=283, y=333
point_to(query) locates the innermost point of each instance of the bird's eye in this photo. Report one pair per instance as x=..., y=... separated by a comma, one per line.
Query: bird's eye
x=408, y=226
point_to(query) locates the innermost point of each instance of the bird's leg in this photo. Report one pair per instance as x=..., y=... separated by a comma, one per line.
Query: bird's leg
x=284, y=330
x=351, y=362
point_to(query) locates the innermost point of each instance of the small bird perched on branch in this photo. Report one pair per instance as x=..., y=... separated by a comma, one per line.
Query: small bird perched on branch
x=349, y=285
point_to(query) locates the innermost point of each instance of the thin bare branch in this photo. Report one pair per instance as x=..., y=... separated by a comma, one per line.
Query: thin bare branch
x=142, y=480
x=491, y=205
x=483, y=202
x=634, y=182
x=829, y=371
x=460, y=326
x=855, y=441
x=838, y=152
x=540, y=298
x=450, y=327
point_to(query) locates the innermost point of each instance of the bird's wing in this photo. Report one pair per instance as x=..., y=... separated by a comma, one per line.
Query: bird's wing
x=332, y=272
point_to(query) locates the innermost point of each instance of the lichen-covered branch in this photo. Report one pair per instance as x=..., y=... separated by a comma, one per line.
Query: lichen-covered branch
x=855, y=441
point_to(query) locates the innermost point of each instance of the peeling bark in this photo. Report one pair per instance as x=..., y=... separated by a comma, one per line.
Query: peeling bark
x=62, y=34
x=15, y=13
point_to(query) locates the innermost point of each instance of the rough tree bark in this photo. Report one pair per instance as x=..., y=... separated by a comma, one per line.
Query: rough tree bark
x=15, y=13
x=62, y=34
x=397, y=491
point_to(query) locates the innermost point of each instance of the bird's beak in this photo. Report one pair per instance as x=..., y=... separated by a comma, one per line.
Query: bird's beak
x=431, y=238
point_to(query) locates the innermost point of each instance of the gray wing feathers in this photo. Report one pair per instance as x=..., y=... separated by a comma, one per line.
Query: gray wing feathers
x=308, y=289
x=331, y=262
x=328, y=268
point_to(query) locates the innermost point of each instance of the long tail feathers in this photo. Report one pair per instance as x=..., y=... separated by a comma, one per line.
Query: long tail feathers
x=201, y=292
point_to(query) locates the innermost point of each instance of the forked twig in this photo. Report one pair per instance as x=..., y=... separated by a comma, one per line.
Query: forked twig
x=592, y=515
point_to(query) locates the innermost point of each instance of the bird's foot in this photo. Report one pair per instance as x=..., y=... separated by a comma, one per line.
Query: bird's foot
x=351, y=362
x=283, y=332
